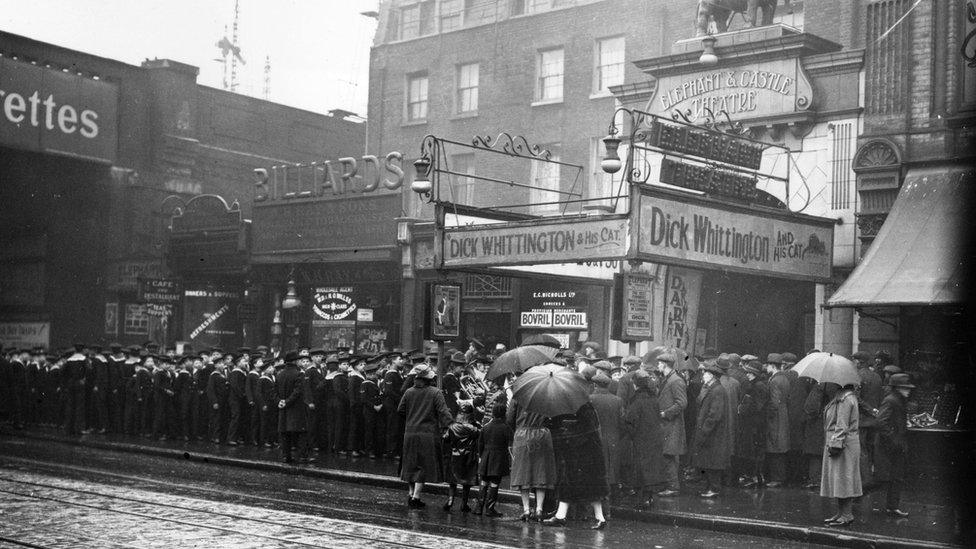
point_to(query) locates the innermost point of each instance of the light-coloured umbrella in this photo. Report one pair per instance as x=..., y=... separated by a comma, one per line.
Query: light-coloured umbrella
x=827, y=368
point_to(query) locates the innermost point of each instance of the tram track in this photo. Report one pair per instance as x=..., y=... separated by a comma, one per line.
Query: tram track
x=102, y=502
x=373, y=516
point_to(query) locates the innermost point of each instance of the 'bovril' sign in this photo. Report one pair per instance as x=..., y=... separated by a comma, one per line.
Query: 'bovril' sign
x=330, y=179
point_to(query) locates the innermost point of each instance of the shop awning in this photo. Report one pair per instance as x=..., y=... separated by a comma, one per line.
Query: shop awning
x=919, y=255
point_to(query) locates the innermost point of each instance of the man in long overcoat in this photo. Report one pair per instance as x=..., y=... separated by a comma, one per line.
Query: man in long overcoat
x=733, y=393
x=751, y=438
x=777, y=421
x=869, y=394
x=610, y=410
x=673, y=400
x=712, y=443
x=292, y=417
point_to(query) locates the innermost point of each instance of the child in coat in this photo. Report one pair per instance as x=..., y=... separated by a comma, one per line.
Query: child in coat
x=496, y=460
x=462, y=438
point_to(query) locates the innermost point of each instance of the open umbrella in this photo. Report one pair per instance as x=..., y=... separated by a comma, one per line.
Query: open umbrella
x=827, y=368
x=542, y=339
x=551, y=390
x=520, y=359
x=682, y=360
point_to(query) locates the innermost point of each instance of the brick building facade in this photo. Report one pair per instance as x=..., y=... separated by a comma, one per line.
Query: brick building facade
x=83, y=222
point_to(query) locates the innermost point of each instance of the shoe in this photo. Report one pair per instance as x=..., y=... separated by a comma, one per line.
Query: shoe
x=841, y=523
x=526, y=517
x=231, y=443
x=667, y=493
x=831, y=519
x=357, y=454
x=774, y=484
x=492, y=513
x=534, y=515
x=102, y=431
x=416, y=503
x=710, y=494
x=896, y=512
x=554, y=522
x=600, y=525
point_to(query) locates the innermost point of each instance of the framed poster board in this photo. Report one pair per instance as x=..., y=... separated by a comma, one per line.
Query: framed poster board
x=443, y=314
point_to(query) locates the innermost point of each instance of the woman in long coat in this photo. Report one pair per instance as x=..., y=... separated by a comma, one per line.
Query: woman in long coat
x=426, y=414
x=712, y=445
x=533, y=464
x=643, y=425
x=580, y=469
x=841, y=474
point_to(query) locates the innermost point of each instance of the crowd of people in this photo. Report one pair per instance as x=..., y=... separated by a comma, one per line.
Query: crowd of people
x=652, y=424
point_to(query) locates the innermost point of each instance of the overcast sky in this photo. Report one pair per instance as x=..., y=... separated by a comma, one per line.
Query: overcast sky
x=319, y=49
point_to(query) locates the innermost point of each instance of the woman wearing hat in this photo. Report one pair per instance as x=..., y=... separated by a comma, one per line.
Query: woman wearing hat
x=426, y=415
x=841, y=474
x=533, y=463
x=891, y=450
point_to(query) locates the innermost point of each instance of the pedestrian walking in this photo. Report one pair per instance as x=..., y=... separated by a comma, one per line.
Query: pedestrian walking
x=891, y=453
x=425, y=415
x=841, y=473
x=495, y=459
x=292, y=393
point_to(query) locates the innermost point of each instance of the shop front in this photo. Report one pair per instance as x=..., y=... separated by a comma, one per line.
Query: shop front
x=918, y=265
x=324, y=264
x=58, y=144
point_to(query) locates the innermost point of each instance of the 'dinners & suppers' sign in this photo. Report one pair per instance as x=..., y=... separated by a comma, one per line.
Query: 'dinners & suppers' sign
x=692, y=232
x=526, y=243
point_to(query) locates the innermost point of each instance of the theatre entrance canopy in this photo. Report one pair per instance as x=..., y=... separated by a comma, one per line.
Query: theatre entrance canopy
x=698, y=196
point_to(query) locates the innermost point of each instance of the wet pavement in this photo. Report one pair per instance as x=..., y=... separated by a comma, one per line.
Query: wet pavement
x=936, y=516
x=60, y=495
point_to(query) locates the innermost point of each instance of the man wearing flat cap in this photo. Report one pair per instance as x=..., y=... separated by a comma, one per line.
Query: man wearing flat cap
x=777, y=420
x=891, y=452
x=712, y=442
x=673, y=400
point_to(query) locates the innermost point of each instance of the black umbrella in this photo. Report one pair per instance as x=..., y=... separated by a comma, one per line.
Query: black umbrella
x=551, y=390
x=520, y=359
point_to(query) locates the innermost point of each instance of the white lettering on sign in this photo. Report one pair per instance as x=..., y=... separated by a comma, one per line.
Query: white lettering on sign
x=569, y=320
x=47, y=113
